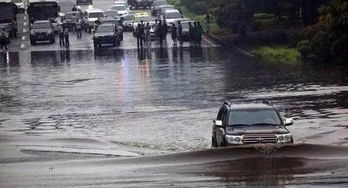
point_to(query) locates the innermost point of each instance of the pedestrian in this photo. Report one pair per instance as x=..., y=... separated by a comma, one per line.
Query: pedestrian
x=160, y=33
x=199, y=32
x=147, y=33
x=66, y=38
x=142, y=32
x=137, y=34
x=180, y=33
x=207, y=21
x=78, y=29
x=190, y=32
x=61, y=35
x=74, y=8
x=3, y=40
x=165, y=29
x=174, y=34
x=180, y=10
x=195, y=32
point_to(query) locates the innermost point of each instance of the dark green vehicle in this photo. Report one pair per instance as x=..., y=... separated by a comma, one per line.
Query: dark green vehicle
x=253, y=123
x=106, y=33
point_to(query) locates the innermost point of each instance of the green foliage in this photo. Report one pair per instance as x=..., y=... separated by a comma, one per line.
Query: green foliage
x=328, y=37
x=304, y=48
x=278, y=54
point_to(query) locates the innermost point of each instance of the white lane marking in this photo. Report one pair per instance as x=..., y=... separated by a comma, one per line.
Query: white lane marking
x=23, y=37
x=22, y=45
x=25, y=17
x=25, y=23
x=24, y=30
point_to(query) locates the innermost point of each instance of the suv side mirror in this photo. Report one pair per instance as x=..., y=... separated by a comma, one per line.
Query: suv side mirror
x=218, y=123
x=288, y=121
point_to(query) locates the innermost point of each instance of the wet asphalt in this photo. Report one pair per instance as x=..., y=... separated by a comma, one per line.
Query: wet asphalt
x=62, y=104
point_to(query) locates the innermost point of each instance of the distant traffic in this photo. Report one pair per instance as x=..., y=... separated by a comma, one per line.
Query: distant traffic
x=148, y=20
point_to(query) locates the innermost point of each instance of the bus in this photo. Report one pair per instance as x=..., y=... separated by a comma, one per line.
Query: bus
x=42, y=10
x=8, y=17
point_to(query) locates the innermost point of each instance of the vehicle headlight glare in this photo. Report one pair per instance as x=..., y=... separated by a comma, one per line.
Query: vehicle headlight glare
x=231, y=139
x=284, y=138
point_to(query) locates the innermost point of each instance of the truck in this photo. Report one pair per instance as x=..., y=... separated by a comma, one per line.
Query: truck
x=8, y=17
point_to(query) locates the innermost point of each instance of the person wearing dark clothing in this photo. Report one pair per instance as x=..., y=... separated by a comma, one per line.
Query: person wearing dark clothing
x=180, y=33
x=190, y=32
x=165, y=29
x=174, y=33
x=160, y=33
x=3, y=40
x=199, y=32
x=66, y=37
x=78, y=28
x=138, y=33
x=74, y=8
x=61, y=35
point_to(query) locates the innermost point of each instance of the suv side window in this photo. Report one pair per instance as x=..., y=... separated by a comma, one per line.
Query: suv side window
x=219, y=114
x=223, y=115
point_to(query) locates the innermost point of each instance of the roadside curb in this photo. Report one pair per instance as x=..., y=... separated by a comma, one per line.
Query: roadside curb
x=231, y=46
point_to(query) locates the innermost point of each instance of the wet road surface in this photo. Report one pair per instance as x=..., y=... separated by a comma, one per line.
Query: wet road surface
x=70, y=117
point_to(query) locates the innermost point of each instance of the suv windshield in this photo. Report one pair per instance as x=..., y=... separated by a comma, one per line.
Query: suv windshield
x=254, y=117
x=45, y=25
x=96, y=15
x=18, y=1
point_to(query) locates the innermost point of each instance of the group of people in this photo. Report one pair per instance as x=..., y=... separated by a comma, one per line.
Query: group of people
x=64, y=32
x=194, y=35
x=143, y=33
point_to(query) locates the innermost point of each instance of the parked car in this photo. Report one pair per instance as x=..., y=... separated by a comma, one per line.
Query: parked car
x=112, y=14
x=170, y=16
x=20, y=5
x=106, y=34
x=120, y=8
x=89, y=18
x=138, y=17
x=162, y=8
x=260, y=123
x=184, y=22
x=110, y=20
x=42, y=30
x=71, y=19
x=156, y=6
x=128, y=22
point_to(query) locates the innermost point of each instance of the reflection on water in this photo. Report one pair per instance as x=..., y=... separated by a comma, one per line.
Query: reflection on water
x=171, y=94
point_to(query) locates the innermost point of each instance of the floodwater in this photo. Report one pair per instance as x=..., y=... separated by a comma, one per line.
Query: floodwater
x=85, y=104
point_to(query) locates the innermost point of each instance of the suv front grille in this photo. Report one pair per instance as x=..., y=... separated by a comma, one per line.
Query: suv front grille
x=259, y=138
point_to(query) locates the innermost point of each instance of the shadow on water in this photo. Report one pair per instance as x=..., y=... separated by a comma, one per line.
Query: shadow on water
x=9, y=59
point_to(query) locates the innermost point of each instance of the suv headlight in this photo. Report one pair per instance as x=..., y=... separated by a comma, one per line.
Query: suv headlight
x=232, y=139
x=284, y=138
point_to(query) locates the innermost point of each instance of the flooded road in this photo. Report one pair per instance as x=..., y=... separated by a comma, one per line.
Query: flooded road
x=58, y=106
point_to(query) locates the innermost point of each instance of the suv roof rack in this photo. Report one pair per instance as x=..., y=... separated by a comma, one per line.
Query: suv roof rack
x=226, y=103
x=264, y=101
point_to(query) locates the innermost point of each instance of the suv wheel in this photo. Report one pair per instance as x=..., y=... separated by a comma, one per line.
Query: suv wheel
x=213, y=142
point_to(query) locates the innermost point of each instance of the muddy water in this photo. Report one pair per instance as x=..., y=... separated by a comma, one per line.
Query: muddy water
x=163, y=100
